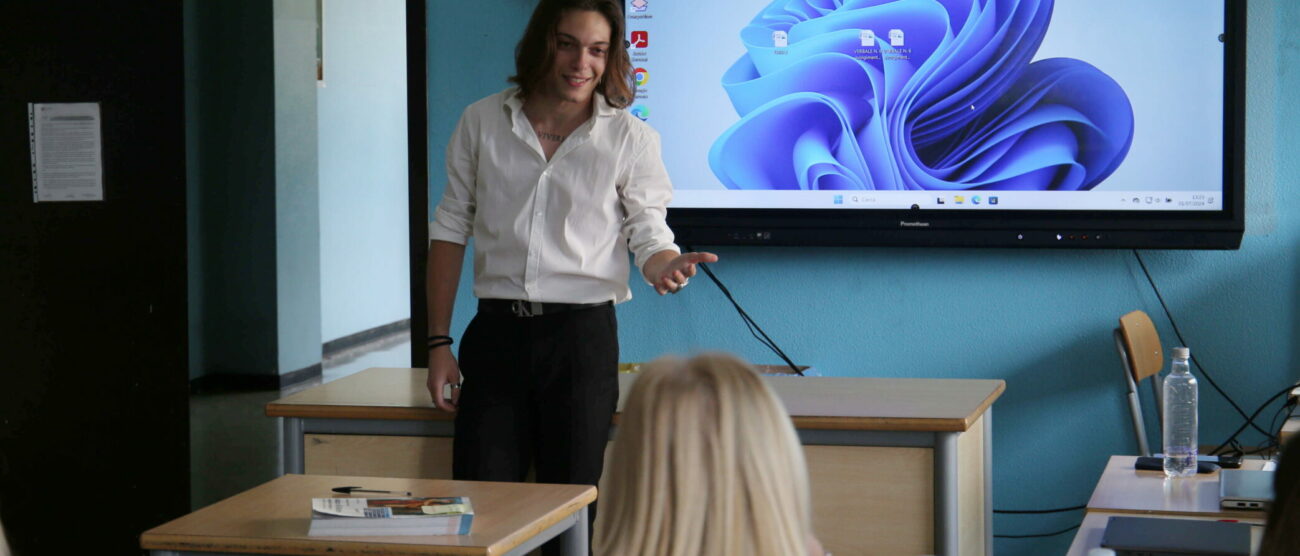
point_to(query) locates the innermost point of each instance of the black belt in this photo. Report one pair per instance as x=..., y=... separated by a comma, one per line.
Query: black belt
x=520, y=308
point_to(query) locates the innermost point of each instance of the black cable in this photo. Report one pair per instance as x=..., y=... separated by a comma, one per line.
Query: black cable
x=1274, y=426
x=1272, y=423
x=754, y=329
x=1275, y=441
x=1181, y=341
x=1286, y=411
x=1052, y=534
x=1281, y=393
x=1051, y=511
x=744, y=316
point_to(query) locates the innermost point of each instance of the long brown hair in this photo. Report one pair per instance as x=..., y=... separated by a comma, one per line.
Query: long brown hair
x=535, y=52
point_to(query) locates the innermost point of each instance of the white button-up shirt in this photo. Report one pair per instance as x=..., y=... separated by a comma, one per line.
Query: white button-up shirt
x=558, y=230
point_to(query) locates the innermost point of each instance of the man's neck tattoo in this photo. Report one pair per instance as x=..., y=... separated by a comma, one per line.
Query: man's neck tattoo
x=551, y=136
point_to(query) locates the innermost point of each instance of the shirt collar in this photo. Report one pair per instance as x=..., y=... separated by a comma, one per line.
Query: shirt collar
x=515, y=103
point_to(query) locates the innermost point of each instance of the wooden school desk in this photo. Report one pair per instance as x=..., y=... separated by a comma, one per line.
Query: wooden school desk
x=1123, y=490
x=897, y=466
x=1094, y=526
x=509, y=519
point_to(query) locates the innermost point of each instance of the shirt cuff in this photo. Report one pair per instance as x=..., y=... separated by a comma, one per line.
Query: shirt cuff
x=439, y=232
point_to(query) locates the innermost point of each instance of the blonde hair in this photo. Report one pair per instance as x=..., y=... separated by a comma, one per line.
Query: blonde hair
x=705, y=461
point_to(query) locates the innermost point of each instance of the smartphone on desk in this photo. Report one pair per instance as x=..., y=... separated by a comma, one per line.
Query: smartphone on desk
x=1151, y=463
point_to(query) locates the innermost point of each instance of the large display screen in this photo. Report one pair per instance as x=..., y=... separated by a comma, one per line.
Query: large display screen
x=942, y=105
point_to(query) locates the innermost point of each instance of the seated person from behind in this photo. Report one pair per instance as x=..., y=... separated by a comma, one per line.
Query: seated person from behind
x=1282, y=533
x=705, y=461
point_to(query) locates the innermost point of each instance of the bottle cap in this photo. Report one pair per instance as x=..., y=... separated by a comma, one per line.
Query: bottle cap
x=1182, y=353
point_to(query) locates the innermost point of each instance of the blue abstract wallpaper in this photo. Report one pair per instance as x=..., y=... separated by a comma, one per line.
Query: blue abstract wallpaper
x=832, y=96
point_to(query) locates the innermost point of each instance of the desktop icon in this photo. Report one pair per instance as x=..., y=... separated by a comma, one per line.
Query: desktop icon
x=975, y=200
x=639, y=6
x=640, y=39
x=641, y=76
x=993, y=200
x=780, y=39
x=895, y=37
x=867, y=37
x=958, y=199
x=640, y=111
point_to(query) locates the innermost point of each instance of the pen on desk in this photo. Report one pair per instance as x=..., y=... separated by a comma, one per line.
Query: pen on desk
x=356, y=489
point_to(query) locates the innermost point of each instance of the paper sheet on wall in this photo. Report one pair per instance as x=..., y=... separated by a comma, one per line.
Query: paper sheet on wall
x=67, y=152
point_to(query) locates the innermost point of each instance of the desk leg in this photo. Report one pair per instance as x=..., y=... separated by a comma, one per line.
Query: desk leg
x=946, y=537
x=293, y=445
x=988, y=480
x=574, y=541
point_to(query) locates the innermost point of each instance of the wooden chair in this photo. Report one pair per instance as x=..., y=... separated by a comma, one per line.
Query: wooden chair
x=1139, y=350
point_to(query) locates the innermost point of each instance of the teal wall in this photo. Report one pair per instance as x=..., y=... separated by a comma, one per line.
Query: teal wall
x=364, y=260
x=1041, y=320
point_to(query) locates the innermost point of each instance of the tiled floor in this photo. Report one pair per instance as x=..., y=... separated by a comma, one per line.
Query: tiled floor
x=234, y=446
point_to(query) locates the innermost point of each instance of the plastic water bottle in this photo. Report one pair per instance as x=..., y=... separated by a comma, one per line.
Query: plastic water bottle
x=1180, y=417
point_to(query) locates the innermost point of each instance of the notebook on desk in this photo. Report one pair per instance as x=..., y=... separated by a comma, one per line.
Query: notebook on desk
x=1153, y=536
x=1245, y=489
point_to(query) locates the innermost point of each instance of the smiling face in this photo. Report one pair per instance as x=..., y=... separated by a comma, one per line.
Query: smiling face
x=581, y=47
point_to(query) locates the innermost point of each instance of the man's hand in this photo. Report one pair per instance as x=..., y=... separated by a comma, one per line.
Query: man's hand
x=670, y=272
x=443, y=370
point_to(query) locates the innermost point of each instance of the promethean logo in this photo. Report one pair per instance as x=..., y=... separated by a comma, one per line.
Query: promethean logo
x=907, y=224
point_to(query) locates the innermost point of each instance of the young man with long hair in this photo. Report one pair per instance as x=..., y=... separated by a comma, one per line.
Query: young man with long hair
x=556, y=183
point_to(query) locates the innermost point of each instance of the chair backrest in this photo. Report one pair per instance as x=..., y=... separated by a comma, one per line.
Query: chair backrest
x=1138, y=344
x=1142, y=344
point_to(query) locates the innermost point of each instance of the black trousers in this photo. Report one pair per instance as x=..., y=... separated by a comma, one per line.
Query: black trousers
x=538, y=392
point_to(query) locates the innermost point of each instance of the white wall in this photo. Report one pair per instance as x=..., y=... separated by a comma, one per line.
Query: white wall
x=363, y=167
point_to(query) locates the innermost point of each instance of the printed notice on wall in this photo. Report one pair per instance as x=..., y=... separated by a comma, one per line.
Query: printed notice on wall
x=67, y=152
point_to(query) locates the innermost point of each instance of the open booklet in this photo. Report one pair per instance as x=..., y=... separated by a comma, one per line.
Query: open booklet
x=390, y=516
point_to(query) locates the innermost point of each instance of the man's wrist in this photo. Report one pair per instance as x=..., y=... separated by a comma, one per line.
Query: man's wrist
x=657, y=263
x=440, y=340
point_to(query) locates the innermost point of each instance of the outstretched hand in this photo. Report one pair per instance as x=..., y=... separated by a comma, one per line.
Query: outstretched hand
x=676, y=273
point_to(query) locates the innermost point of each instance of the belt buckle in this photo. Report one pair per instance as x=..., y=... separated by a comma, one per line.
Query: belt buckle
x=525, y=308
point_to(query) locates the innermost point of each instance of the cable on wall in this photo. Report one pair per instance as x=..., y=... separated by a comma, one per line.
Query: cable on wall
x=1052, y=534
x=1181, y=341
x=754, y=329
x=1049, y=511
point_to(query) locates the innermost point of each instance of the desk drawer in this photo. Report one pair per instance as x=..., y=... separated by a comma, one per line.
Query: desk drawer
x=407, y=457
